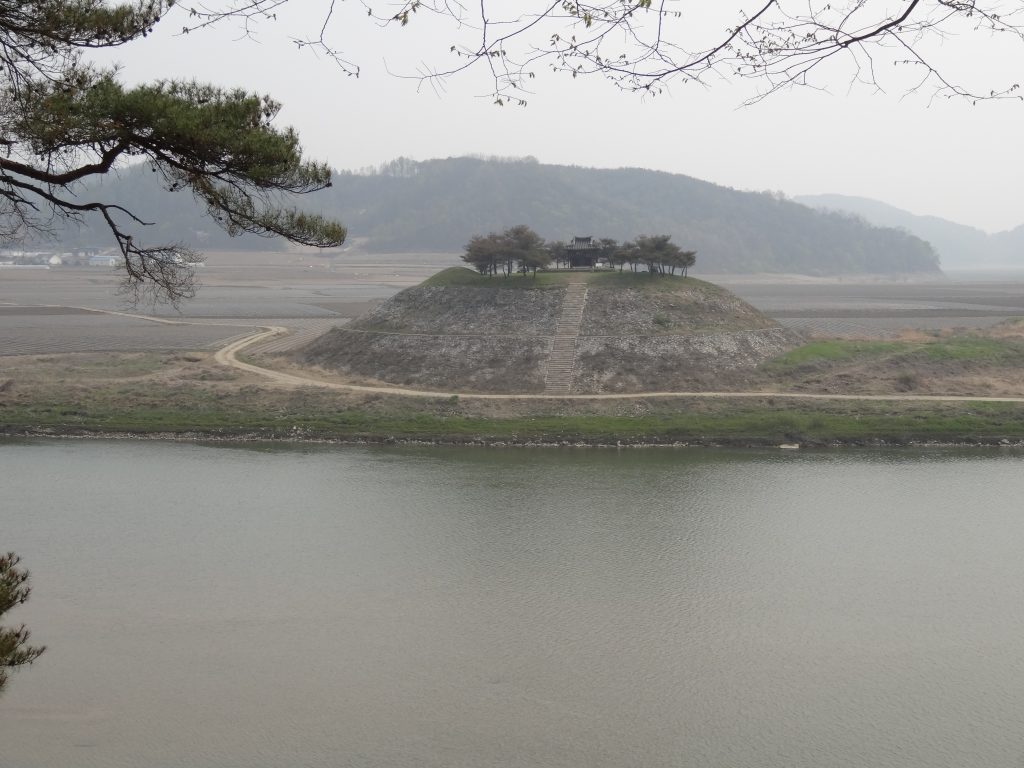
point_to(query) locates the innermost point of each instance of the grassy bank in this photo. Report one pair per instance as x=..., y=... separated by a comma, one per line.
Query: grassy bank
x=750, y=426
x=187, y=393
x=671, y=420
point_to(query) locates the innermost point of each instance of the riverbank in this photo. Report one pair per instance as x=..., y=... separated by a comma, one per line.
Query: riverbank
x=188, y=396
x=486, y=442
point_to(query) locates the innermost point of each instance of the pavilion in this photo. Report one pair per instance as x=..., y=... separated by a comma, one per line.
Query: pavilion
x=582, y=252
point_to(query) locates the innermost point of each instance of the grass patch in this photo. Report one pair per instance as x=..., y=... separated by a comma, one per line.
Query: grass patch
x=818, y=356
x=125, y=366
x=975, y=348
x=833, y=351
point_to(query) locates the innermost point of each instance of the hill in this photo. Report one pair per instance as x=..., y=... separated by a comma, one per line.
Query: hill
x=559, y=333
x=959, y=246
x=437, y=205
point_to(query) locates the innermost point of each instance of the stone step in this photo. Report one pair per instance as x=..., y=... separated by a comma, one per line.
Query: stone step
x=562, y=357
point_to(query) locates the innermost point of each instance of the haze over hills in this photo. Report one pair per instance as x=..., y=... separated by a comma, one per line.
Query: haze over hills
x=959, y=246
x=437, y=205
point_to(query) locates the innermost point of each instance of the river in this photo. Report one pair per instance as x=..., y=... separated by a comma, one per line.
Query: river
x=316, y=606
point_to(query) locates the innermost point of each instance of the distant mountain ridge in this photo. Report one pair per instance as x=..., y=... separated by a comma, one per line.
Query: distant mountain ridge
x=959, y=246
x=438, y=205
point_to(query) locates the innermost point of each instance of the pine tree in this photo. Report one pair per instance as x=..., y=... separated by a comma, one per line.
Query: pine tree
x=64, y=122
x=14, y=590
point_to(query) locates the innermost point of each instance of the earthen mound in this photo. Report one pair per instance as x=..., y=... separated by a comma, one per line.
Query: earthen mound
x=558, y=333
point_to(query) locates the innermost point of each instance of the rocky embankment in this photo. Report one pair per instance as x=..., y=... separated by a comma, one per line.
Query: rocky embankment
x=637, y=333
x=475, y=338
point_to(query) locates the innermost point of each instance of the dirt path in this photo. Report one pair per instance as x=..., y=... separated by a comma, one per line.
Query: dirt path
x=228, y=356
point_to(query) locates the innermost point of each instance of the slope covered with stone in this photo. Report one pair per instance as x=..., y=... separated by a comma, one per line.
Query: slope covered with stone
x=460, y=331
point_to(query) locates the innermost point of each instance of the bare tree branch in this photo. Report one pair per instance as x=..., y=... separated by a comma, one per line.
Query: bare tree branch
x=638, y=44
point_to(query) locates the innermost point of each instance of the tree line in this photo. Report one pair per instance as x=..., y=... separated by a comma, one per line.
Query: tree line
x=520, y=250
x=655, y=252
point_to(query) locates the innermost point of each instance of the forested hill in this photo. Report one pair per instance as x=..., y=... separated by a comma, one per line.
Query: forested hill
x=959, y=246
x=437, y=205
x=440, y=204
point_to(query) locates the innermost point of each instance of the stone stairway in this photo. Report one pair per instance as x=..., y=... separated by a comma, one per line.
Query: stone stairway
x=558, y=376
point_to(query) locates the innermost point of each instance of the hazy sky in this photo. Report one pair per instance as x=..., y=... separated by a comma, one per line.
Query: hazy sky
x=946, y=158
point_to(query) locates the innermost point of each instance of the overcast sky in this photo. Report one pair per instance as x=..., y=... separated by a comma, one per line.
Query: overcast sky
x=945, y=158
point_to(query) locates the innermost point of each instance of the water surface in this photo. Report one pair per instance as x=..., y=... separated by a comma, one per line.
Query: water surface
x=221, y=607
